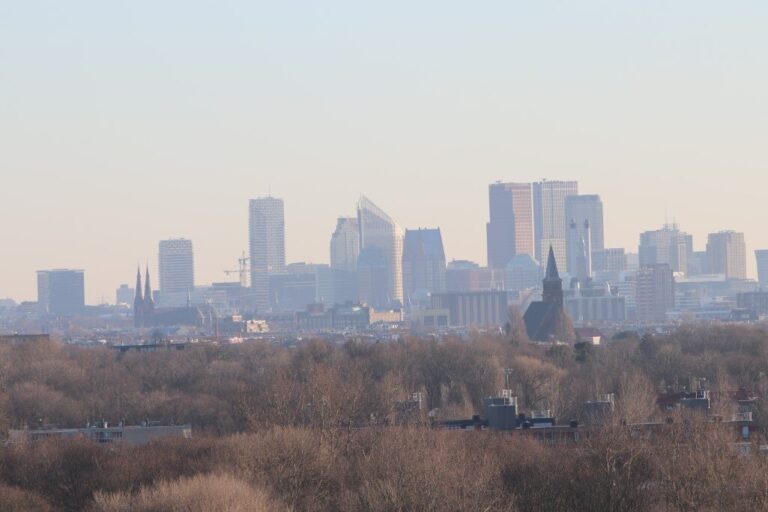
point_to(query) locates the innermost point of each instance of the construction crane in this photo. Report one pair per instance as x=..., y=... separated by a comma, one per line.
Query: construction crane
x=242, y=270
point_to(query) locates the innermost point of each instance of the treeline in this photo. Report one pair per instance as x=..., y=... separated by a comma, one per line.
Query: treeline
x=320, y=427
x=693, y=468
x=229, y=389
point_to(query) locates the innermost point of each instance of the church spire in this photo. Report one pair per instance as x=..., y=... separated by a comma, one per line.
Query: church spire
x=552, y=272
x=138, y=297
x=138, y=301
x=147, y=287
x=553, y=285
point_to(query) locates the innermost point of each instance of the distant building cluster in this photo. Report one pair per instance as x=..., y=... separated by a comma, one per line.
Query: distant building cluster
x=540, y=236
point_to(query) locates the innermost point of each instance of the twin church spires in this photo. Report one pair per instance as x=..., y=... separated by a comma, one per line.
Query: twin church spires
x=143, y=306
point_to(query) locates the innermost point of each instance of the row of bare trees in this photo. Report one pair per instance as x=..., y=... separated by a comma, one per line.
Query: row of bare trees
x=691, y=468
x=283, y=426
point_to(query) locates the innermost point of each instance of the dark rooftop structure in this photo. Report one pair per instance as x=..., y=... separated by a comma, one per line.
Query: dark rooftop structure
x=103, y=433
x=23, y=338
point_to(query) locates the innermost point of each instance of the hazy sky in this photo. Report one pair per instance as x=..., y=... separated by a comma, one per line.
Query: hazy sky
x=122, y=123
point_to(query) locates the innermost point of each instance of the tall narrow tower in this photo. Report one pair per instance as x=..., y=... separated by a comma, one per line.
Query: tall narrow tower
x=266, y=234
x=138, y=302
x=149, y=304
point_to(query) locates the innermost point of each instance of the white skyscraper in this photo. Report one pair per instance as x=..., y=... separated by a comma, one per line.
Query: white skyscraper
x=345, y=244
x=549, y=220
x=266, y=235
x=176, y=266
x=590, y=208
x=380, y=233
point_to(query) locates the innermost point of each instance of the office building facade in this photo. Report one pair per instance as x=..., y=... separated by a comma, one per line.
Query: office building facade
x=609, y=260
x=61, y=292
x=654, y=293
x=727, y=254
x=549, y=219
x=580, y=251
x=587, y=207
x=124, y=295
x=424, y=266
x=345, y=244
x=176, y=265
x=761, y=255
x=510, y=230
x=472, y=309
x=666, y=246
x=266, y=236
x=382, y=238
x=468, y=276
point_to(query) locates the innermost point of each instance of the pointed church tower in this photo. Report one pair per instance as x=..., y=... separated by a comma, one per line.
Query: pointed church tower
x=149, y=304
x=553, y=285
x=138, y=302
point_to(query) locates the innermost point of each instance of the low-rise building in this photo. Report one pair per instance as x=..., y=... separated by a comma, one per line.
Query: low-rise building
x=473, y=309
x=104, y=434
x=753, y=301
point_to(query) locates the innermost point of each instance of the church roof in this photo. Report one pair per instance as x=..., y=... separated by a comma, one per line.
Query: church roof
x=541, y=320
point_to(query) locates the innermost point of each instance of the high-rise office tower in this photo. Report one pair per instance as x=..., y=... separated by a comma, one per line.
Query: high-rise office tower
x=761, y=255
x=379, y=231
x=590, y=208
x=510, y=229
x=345, y=244
x=654, y=292
x=177, y=267
x=580, y=251
x=424, y=265
x=266, y=234
x=727, y=254
x=667, y=245
x=61, y=291
x=549, y=220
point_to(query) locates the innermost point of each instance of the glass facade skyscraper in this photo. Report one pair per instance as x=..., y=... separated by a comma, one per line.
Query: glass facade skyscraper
x=549, y=220
x=382, y=236
x=509, y=231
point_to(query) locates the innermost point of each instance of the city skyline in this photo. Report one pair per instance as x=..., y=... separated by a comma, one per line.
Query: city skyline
x=698, y=244
x=192, y=111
